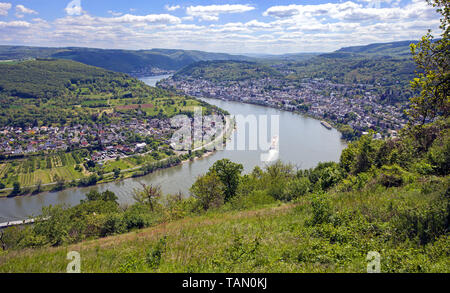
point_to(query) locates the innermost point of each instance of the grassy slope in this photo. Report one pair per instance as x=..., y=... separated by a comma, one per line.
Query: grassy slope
x=273, y=238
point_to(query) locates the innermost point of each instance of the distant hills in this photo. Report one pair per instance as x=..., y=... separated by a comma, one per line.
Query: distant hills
x=221, y=70
x=393, y=48
x=127, y=61
x=146, y=62
x=400, y=48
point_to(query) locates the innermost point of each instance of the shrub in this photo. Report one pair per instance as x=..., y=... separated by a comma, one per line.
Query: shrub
x=256, y=198
x=297, y=187
x=391, y=176
x=423, y=168
x=138, y=217
x=321, y=210
x=424, y=222
x=439, y=155
x=209, y=191
x=154, y=255
x=277, y=189
x=53, y=224
x=114, y=224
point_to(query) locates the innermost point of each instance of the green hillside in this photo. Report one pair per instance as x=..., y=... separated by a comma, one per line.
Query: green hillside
x=392, y=48
x=56, y=115
x=58, y=92
x=384, y=67
x=127, y=61
x=226, y=71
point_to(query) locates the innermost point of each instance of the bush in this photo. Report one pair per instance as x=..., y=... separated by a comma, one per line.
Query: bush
x=54, y=225
x=423, y=168
x=296, y=188
x=424, y=222
x=256, y=198
x=154, y=255
x=277, y=189
x=138, y=217
x=114, y=224
x=209, y=191
x=439, y=155
x=321, y=210
x=391, y=176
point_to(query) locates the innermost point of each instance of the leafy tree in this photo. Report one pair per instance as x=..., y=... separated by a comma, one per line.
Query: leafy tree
x=107, y=195
x=16, y=188
x=439, y=155
x=433, y=61
x=59, y=183
x=116, y=173
x=364, y=156
x=53, y=224
x=228, y=173
x=149, y=195
x=208, y=190
x=348, y=132
x=38, y=186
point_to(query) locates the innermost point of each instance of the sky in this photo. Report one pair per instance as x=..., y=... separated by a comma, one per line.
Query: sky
x=236, y=27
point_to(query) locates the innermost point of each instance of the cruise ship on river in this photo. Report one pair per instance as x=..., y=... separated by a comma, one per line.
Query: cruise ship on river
x=274, y=151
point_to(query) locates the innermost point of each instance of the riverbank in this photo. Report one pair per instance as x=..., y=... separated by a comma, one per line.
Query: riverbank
x=329, y=123
x=304, y=142
x=135, y=172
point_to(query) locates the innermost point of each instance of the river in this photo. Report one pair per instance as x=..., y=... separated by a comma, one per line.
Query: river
x=303, y=142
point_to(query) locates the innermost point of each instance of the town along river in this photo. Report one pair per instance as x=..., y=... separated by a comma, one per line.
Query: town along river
x=303, y=142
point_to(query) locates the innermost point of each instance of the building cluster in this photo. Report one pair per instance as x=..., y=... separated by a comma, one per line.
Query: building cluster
x=353, y=105
x=113, y=140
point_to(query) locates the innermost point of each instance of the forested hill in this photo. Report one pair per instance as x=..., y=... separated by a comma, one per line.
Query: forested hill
x=58, y=92
x=392, y=48
x=386, y=68
x=227, y=70
x=49, y=78
x=127, y=61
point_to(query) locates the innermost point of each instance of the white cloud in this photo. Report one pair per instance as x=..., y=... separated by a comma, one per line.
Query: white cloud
x=87, y=20
x=4, y=8
x=172, y=8
x=351, y=11
x=285, y=29
x=283, y=11
x=151, y=18
x=22, y=10
x=113, y=13
x=14, y=24
x=212, y=12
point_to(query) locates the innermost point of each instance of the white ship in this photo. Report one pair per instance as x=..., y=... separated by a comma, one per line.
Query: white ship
x=274, y=145
x=273, y=153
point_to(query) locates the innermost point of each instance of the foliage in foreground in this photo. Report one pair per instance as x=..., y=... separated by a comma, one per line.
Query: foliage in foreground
x=383, y=196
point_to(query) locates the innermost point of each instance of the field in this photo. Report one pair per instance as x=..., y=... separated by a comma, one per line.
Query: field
x=48, y=169
x=43, y=169
x=132, y=161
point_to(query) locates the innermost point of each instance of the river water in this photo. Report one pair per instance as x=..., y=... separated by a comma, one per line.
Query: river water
x=303, y=142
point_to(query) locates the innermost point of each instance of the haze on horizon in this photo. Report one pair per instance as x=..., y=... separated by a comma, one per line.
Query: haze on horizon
x=235, y=27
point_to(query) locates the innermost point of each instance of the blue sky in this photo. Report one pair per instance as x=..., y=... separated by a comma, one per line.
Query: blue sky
x=239, y=26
